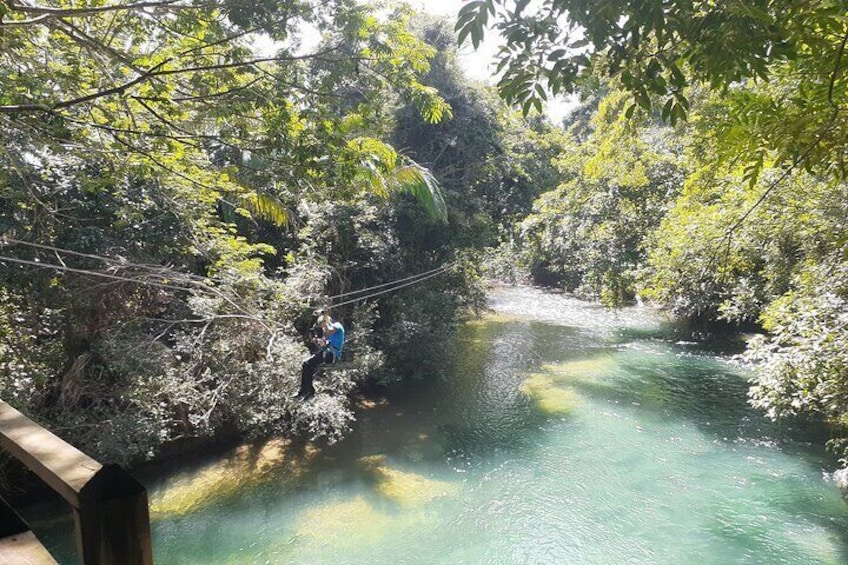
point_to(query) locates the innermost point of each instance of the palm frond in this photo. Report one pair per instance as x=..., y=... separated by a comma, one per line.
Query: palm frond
x=418, y=181
x=384, y=171
x=266, y=207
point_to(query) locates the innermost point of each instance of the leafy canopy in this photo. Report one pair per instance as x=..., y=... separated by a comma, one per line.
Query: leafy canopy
x=655, y=50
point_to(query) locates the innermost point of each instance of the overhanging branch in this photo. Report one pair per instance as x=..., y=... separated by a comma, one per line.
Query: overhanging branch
x=76, y=12
x=29, y=108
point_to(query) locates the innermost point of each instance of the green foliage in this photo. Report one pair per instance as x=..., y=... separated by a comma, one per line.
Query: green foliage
x=802, y=365
x=735, y=238
x=491, y=163
x=656, y=50
x=588, y=234
x=756, y=230
x=174, y=161
x=421, y=183
x=385, y=172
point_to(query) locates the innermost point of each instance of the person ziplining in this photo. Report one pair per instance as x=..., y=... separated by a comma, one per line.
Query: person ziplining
x=330, y=344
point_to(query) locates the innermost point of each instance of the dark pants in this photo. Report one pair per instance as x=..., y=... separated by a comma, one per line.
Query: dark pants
x=307, y=371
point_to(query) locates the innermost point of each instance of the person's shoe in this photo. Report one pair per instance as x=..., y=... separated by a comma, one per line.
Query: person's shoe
x=299, y=395
x=307, y=396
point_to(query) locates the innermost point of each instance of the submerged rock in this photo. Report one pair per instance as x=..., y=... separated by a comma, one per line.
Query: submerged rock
x=402, y=487
x=591, y=368
x=362, y=519
x=354, y=520
x=549, y=396
x=248, y=465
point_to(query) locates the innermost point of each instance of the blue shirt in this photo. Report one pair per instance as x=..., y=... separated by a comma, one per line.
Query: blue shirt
x=335, y=341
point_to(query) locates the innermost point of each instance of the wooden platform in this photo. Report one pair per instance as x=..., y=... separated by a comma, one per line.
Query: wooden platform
x=24, y=549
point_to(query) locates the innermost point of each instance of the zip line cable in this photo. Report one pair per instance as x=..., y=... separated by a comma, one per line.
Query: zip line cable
x=120, y=262
x=405, y=281
x=368, y=288
x=210, y=292
x=441, y=271
x=409, y=282
x=158, y=269
x=196, y=280
x=91, y=273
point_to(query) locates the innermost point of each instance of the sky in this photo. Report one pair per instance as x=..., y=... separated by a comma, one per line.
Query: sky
x=477, y=64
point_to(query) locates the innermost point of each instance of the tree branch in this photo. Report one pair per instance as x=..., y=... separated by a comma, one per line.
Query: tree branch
x=28, y=108
x=249, y=62
x=836, y=69
x=77, y=12
x=47, y=13
x=24, y=23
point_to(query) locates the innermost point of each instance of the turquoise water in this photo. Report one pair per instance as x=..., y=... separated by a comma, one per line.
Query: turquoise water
x=558, y=432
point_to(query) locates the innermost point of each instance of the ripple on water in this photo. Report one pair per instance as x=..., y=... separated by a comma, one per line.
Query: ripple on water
x=558, y=309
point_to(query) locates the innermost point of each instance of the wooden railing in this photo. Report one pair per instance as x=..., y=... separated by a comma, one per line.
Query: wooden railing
x=111, y=517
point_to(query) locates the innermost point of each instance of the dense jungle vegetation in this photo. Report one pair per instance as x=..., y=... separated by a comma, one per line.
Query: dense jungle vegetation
x=177, y=200
x=183, y=183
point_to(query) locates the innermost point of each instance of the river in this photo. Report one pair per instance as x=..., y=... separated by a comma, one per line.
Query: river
x=559, y=432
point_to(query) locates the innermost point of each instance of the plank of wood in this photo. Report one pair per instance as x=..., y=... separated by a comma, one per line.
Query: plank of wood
x=59, y=464
x=24, y=549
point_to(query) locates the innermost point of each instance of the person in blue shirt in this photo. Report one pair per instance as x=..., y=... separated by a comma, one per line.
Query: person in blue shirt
x=330, y=346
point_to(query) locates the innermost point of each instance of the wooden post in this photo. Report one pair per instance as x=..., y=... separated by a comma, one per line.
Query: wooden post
x=112, y=521
x=109, y=506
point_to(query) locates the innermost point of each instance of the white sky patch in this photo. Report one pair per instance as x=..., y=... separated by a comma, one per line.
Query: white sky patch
x=480, y=64
x=477, y=64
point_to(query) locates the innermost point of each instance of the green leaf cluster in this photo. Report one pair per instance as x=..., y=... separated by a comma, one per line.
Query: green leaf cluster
x=656, y=50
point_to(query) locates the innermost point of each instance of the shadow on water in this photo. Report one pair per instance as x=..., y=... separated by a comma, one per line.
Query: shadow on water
x=691, y=384
x=718, y=341
x=759, y=532
x=480, y=404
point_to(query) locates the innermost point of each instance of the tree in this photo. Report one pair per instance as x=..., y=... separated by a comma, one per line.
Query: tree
x=157, y=168
x=655, y=50
x=589, y=235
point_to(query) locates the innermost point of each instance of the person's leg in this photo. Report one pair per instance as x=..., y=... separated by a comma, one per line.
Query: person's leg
x=324, y=358
x=307, y=372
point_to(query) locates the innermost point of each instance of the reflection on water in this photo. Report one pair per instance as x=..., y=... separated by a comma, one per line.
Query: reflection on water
x=559, y=432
